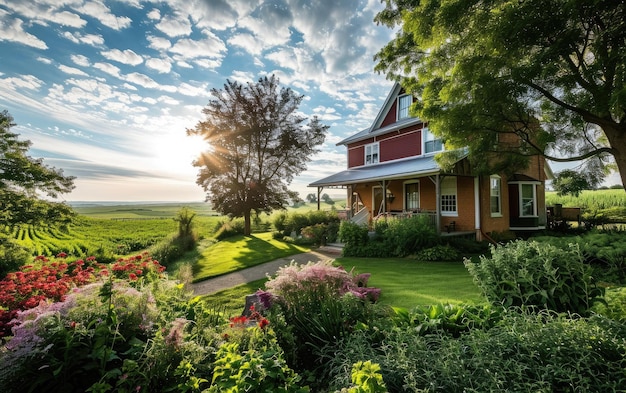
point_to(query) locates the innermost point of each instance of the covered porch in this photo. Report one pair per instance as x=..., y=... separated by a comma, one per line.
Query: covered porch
x=403, y=189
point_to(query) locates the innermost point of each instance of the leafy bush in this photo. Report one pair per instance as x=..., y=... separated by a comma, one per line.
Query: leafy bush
x=532, y=274
x=12, y=256
x=258, y=367
x=394, y=238
x=439, y=253
x=312, y=306
x=615, y=306
x=367, y=379
x=522, y=353
x=229, y=228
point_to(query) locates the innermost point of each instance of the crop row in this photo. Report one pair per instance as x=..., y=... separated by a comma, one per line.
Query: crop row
x=590, y=200
x=89, y=236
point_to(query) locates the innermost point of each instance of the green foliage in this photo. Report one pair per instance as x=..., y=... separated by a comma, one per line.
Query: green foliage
x=12, y=256
x=539, y=275
x=615, y=305
x=522, y=353
x=185, y=219
x=550, y=78
x=394, y=238
x=22, y=178
x=452, y=319
x=259, y=142
x=439, y=253
x=311, y=307
x=258, y=368
x=367, y=378
x=571, y=182
x=230, y=228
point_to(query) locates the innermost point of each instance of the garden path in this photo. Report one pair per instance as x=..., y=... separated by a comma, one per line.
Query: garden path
x=230, y=280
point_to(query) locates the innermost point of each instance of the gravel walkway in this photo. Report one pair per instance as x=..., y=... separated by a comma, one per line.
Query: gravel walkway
x=230, y=280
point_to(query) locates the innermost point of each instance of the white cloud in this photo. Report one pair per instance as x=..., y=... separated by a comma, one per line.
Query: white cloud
x=44, y=11
x=154, y=14
x=44, y=60
x=29, y=82
x=11, y=29
x=72, y=70
x=80, y=60
x=248, y=42
x=126, y=56
x=158, y=43
x=211, y=46
x=160, y=65
x=107, y=68
x=147, y=82
x=96, y=9
x=174, y=25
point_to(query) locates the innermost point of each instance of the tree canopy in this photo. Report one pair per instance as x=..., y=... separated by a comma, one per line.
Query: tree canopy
x=257, y=142
x=552, y=72
x=27, y=185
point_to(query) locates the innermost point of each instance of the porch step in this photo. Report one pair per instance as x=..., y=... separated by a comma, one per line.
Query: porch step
x=332, y=248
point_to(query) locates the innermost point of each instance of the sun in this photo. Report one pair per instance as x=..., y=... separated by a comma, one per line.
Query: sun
x=176, y=153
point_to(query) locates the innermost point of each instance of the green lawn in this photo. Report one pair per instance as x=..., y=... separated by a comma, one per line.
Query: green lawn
x=240, y=252
x=408, y=283
x=404, y=283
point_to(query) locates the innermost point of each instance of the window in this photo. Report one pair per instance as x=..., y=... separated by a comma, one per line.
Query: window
x=448, y=197
x=404, y=102
x=412, y=196
x=495, y=196
x=371, y=154
x=431, y=143
x=528, y=200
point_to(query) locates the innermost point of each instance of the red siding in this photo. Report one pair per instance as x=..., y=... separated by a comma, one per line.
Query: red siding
x=402, y=146
x=391, y=115
x=356, y=156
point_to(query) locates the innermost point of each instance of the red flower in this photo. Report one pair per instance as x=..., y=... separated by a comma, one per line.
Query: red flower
x=263, y=323
x=132, y=277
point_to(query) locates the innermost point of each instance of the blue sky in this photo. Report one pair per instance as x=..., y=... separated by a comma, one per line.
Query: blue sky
x=106, y=89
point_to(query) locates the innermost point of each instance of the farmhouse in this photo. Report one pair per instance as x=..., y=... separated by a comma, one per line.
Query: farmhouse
x=392, y=172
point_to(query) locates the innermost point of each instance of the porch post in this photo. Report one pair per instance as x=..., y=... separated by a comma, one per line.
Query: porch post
x=438, y=204
x=385, y=197
x=319, y=192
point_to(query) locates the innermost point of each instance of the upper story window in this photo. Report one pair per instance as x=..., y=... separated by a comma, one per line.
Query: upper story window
x=495, y=195
x=432, y=144
x=404, y=102
x=371, y=153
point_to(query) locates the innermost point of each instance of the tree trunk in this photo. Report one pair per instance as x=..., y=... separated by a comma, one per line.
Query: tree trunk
x=246, y=228
x=617, y=139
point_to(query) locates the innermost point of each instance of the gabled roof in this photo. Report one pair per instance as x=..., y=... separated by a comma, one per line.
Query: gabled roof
x=374, y=129
x=419, y=166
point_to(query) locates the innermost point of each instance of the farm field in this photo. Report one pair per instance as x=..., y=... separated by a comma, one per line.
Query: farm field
x=610, y=204
x=113, y=229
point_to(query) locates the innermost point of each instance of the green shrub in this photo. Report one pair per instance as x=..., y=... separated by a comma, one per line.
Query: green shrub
x=533, y=274
x=367, y=378
x=259, y=367
x=615, y=306
x=12, y=256
x=172, y=248
x=522, y=353
x=278, y=220
x=354, y=236
x=230, y=228
x=407, y=236
x=311, y=307
x=439, y=253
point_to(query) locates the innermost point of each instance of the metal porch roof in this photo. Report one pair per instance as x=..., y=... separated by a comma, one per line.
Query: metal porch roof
x=386, y=171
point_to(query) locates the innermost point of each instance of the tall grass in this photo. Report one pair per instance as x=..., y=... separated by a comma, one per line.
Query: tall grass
x=592, y=200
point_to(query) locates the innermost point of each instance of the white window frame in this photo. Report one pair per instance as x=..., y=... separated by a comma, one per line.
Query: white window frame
x=495, y=179
x=406, y=200
x=403, y=112
x=428, y=136
x=372, y=150
x=449, y=202
x=521, y=199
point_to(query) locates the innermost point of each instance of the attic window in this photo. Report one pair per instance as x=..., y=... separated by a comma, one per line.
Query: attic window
x=371, y=153
x=404, y=102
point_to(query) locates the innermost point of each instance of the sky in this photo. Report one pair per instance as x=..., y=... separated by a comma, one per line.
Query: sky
x=106, y=89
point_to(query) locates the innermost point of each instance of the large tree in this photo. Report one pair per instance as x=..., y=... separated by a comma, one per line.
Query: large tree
x=258, y=141
x=28, y=187
x=553, y=72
